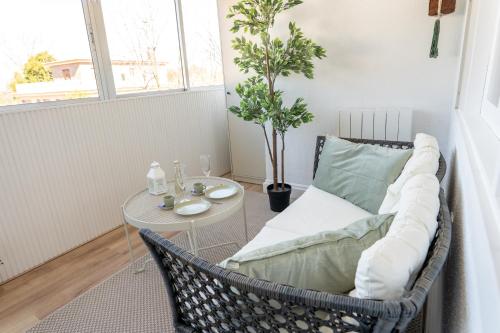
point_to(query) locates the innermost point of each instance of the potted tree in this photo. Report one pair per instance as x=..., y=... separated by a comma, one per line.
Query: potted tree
x=269, y=58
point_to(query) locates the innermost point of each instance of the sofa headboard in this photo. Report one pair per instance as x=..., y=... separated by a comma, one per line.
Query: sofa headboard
x=393, y=124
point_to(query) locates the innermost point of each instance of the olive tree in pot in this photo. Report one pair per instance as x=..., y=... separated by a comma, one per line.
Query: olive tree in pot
x=269, y=58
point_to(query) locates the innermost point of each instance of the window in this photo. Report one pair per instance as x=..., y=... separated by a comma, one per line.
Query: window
x=490, y=109
x=34, y=47
x=66, y=74
x=201, y=29
x=105, y=48
x=142, y=37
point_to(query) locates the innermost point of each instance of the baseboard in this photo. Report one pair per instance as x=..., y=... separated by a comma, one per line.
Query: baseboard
x=297, y=189
x=248, y=179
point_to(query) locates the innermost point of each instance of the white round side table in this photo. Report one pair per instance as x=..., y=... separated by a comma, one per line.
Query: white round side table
x=141, y=211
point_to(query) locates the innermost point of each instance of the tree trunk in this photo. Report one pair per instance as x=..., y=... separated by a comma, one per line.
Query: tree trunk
x=275, y=161
x=270, y=85
x=283, y=162
x=267, y=143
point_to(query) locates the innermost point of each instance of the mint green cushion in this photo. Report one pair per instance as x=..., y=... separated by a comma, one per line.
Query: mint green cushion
x=359, y=173
x=326, y=261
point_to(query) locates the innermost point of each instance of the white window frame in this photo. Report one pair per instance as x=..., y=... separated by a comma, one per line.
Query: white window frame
x=489, y=111
x=483, y=142
x=96, y=33
x=182, y=44
x=99, y=50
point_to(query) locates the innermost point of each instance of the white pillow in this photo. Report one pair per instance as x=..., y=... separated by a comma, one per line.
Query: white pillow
x=425, y=159
x=385, y=268
x=423, y=140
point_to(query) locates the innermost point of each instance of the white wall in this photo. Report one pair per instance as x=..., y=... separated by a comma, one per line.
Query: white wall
x=65, y=171
x=378, y=56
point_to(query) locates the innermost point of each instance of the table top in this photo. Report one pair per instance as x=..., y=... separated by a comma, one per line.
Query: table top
x=141, y=210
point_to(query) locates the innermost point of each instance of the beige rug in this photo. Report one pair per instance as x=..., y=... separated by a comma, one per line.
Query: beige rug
x=128, y=302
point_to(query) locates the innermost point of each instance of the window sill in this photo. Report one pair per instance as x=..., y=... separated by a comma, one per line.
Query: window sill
x=82, y=101
x=46, y=105
x=168, y=92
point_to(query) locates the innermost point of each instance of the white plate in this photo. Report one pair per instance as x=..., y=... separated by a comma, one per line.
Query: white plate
x=192, y=207
x=221, y=191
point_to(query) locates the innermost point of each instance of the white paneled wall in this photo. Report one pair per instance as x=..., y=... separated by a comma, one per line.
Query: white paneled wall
x=65, y=171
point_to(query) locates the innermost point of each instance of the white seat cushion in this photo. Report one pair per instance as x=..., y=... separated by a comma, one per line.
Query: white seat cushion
x=267, y=236
x=313, y=212
x=316, y=211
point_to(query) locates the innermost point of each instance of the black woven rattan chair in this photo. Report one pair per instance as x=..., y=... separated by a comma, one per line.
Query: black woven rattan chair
x=208, y=298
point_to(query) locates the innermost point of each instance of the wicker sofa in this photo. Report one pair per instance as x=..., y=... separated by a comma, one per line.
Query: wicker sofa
x=208, y=298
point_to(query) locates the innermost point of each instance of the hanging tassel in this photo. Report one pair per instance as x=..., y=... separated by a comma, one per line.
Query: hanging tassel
x=435, y=39
x=435, y=36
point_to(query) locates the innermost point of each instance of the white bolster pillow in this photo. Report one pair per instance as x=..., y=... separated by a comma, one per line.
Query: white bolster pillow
x=425, y=159
x=385, y=268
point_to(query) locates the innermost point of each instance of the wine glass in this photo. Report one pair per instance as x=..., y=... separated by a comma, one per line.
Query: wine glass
x=205, y=164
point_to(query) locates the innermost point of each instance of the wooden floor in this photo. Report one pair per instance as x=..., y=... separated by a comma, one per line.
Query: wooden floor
x=27, y=299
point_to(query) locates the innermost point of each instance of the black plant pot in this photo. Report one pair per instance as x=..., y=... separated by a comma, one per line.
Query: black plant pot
x=279, y=199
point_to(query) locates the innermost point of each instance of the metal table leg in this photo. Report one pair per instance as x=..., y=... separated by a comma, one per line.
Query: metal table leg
x=131, y=251
x=143, y=268
x=192, y=239
x=245, y=220
x=195, y=239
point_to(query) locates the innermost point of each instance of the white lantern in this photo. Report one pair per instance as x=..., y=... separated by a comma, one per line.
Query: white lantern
x=156, y=180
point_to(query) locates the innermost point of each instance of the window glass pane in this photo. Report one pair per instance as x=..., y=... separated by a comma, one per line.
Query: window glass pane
x=143, y=44
x=493, y=93
x=201, y=28
x=44, y=52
